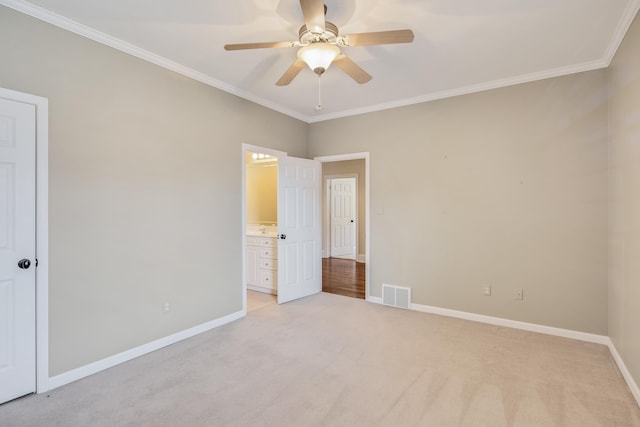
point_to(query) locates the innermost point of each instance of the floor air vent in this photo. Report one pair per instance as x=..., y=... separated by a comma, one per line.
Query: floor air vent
x=396, y=296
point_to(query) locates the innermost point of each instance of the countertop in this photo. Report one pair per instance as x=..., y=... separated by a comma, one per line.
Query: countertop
x=259, y=234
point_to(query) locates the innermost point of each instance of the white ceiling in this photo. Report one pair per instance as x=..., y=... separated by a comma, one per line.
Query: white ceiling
x=460, y=46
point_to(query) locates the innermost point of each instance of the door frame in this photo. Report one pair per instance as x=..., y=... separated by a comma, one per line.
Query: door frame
x=367, y=179
x=252, y=148
x=326, y=223
x=42, y=231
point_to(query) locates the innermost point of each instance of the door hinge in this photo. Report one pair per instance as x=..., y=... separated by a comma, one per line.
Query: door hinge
x=36, y=262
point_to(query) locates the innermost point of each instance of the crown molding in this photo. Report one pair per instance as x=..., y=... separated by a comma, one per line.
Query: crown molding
x=123, y=46
x=623, y=26
x=133, y=50
x=466, y=90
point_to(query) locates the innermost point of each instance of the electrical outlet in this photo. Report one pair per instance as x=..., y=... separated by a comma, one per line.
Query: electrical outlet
x=519, y=294
x=166, y=307
x=487, y=291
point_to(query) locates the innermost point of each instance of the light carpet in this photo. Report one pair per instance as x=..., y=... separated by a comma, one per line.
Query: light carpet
x=329, y=360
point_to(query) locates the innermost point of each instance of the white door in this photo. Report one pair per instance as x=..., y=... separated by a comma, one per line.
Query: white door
x=17, y=242
x=300, y=228
x=343, y=197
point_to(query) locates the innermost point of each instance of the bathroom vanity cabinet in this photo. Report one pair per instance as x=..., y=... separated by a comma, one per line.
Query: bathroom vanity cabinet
x=262, y=264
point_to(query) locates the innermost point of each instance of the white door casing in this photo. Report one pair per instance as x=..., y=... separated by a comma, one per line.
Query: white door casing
x=299, y=221
x=17, y=241
x=343, y=220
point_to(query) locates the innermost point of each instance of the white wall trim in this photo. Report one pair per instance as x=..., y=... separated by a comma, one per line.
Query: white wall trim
x=465, y=90
x=362, y=258
x=515, y=324
x=498, y=321
x=623, y=26
x=117, y=359
x=367, y=190
x=133, y=50
x=269, y=291
x=633, y=386
x=42, y=231
x=374, y=300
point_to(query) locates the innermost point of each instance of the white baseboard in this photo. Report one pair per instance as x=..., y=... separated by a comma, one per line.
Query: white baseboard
x=531, y=327
x=359, y=258
x=633, y=386
x=263, y=290
x=375, y=300
x=525, y=326
x=116, y=359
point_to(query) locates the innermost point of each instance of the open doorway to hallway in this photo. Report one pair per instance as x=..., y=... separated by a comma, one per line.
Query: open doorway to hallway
x=343, y=277
x=345, y=225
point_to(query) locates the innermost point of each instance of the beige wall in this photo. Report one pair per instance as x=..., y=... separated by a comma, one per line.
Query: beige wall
x=343, y=168
x=145, y=177
x=506, y=188
x=624, y=201
x=262, y=192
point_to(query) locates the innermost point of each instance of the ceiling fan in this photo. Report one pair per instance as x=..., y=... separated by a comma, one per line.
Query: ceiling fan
x=320, y=44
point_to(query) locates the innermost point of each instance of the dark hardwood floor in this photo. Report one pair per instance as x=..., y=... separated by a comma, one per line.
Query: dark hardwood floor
x=343, y=277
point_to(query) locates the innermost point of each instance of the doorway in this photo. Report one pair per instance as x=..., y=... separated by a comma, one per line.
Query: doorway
x=24, y=240
x=261, y=213
x=345, y=243
x=284, y=256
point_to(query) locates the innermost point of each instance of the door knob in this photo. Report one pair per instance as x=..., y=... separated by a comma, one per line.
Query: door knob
x=352, y=221
x=24, y=264
x=283, y=236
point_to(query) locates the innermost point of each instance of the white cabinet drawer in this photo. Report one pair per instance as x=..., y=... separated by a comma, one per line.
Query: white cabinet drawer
x=268, y=278
x=267, y=253
x=252, y=240
x=268, y=242
x=271, y=264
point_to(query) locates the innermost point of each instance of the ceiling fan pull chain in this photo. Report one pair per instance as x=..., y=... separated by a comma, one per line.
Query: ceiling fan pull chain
x=319, y=106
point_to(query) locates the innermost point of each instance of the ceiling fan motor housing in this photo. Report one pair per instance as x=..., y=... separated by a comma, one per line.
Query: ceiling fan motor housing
x=330, y=34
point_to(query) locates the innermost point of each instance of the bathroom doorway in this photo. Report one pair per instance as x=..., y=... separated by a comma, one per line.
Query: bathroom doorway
x=282, y=224
x=261, y=227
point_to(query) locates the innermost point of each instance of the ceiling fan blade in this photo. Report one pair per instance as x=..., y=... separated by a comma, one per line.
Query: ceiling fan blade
x=379, y=37
x=352, y=69
x=291, y=72
x=242, y=46
x=313, y=12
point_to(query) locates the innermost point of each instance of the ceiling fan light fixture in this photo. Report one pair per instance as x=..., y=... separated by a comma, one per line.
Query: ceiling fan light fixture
x=318, y=56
